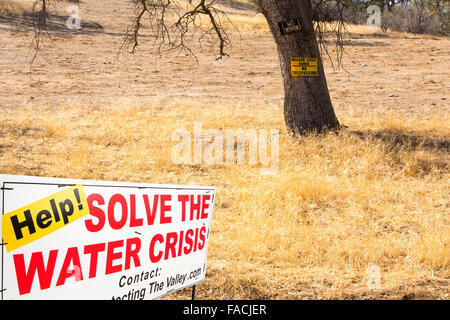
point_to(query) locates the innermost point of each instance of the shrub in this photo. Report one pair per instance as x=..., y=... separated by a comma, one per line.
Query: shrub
x=415, y=18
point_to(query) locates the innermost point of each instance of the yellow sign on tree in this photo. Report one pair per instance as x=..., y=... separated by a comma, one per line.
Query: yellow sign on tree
x=304, y=67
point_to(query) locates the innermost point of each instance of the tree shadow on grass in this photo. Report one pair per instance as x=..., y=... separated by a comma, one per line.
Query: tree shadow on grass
x=373, y=35
x=55, y=26
x=436, y=151
x=353, y=43
x=396, y=139
x=238, y=5
x=357, y=43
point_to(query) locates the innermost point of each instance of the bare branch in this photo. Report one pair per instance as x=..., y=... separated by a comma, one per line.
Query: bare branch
x=171, y=24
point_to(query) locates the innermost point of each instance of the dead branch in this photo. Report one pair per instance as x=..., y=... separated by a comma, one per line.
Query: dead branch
x=171, y=24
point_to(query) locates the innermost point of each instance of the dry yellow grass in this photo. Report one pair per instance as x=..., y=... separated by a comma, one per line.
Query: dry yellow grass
x=21, y=7
x=15, y=8
x=338, y=203
x=375, y=193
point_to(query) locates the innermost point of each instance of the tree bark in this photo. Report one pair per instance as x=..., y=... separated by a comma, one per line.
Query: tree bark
x=307, y=103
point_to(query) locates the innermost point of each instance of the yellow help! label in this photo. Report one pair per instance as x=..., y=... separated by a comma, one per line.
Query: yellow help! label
x=43, y=217
x=304, y=67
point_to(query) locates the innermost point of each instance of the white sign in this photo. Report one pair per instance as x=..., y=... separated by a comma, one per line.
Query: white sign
x=82, y=239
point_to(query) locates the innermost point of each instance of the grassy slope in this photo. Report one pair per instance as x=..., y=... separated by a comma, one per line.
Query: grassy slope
x=376, y=193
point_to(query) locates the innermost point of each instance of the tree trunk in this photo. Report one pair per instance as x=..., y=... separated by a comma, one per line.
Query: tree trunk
x=307, y=103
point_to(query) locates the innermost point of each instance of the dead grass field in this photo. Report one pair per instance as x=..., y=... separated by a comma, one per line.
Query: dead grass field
x=375, y=193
